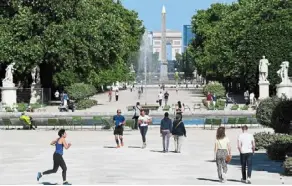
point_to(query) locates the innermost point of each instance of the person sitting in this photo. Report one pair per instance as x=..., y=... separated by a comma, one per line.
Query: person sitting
x=27, y=122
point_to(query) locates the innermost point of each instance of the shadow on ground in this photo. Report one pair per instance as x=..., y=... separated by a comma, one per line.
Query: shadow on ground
x=110, y=147
x=260, y=162
x=160, y=151
x=134, y=147
x=213, y=180
x=48, y=183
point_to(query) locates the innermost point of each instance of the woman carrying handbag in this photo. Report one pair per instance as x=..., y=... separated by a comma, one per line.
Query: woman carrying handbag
x=222, y=153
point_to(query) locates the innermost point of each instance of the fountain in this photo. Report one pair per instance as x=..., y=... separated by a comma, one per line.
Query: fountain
x=145, y=66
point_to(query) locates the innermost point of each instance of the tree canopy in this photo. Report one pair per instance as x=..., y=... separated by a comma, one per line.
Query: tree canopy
x=232, y=38
x=72, y=41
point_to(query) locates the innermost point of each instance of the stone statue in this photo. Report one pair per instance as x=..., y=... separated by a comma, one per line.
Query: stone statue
x=35, y=74
x=132, y=69
x=263, y=69
x=283, y=72
x=9, y=73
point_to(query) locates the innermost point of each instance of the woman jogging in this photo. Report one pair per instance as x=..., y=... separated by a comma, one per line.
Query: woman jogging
x=58, y=157
x=143, y=121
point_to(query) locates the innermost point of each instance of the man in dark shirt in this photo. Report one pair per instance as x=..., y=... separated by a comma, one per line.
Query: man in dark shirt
x=119, y=121
x=165, y=131
x=166, y=95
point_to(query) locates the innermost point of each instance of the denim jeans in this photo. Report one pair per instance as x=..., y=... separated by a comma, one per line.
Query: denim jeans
x=246, y=160
x=165, y=139
x=143, y=131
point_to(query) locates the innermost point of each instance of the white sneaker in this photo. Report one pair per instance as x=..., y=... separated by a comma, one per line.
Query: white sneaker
x=248, y=181
x=224, y=177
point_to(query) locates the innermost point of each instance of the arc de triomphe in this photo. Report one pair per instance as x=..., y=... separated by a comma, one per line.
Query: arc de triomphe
x=173, y=38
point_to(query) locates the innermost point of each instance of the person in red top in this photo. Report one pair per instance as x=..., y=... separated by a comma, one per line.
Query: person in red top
x=209, y=98
x=110, y=93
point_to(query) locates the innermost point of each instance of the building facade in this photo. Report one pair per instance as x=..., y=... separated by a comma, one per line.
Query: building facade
x=173, y=38
x=187, y=35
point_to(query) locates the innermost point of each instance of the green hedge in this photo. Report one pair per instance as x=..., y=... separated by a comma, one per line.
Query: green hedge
x=234, y=107
x=220, y=104
x=277, y=145
x=166, y=108
x=85, y=103
x=278, y=149
x=281, y=117
x=264, y=139
x=80, y=91
x=265, y=110
x=288, y=166
x=215, y=88
x=244, y=107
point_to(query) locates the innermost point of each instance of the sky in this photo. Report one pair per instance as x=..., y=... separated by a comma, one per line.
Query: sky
x=179, y=12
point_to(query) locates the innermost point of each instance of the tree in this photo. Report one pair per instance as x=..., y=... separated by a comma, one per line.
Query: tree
x=71, y=40
x=231, y=39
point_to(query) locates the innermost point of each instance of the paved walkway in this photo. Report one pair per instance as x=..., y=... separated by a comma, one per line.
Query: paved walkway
x=93, y=160
x=150, y=95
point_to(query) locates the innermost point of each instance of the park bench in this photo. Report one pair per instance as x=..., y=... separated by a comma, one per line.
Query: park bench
x=150, y=107
x=55, y=102
x=187, y=108
x=130, y=108
x=7, y=123
x=104, y=123
x=65, y=123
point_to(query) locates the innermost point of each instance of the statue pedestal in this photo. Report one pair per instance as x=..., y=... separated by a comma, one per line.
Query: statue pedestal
x=163, y=72
x=264, y=89
x=8, y=92
x=284, y=89
x=36, y=93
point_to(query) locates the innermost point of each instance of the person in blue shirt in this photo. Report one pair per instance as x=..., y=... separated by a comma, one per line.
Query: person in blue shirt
x=119, y=122
x=59, y=143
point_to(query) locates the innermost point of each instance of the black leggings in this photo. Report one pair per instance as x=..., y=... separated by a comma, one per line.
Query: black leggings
x=143, y=131
x=58, y=161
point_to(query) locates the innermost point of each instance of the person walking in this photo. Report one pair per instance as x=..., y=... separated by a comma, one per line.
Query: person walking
x=165, y=131
x=246, y=148
x=222, y=150
x=246, y=97
x=214, y=99
x=166, y=95
x=117, y=95
x=60, y=143
x=179, y=108
x=143, y=121
x=119, y=122
x=160, y=97
x=178, y=132
x=136, y=115
x=110, y=95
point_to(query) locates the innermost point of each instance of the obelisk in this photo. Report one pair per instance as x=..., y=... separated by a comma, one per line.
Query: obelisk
x=163, y=67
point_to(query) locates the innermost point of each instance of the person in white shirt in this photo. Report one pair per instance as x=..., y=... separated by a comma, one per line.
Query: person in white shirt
x=57, y=94
x=143, y=121
x=160, y=97
x=246, y=147
x=222, y=150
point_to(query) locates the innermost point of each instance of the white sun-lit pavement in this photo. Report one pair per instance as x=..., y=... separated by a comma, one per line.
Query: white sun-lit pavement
x=150, y=95
x=93, y=159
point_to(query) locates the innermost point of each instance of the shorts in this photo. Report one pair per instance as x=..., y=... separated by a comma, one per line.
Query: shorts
x=119, y=131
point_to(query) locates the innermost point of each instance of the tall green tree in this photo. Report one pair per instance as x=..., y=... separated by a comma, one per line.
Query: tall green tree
x=71, y=40
x=231, y=39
